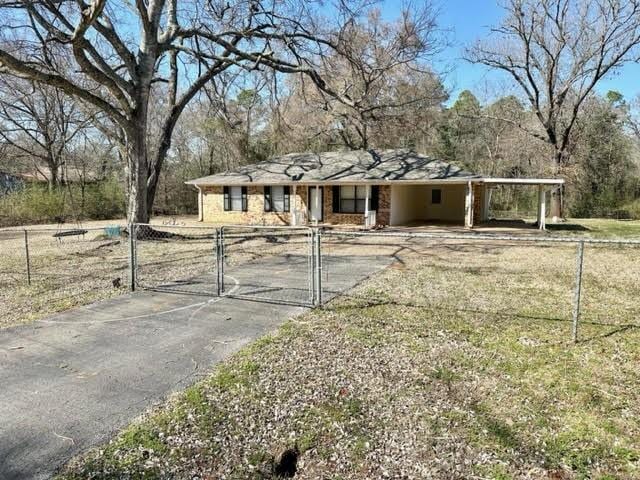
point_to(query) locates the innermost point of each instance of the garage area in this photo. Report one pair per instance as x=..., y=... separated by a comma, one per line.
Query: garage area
x=428, y=203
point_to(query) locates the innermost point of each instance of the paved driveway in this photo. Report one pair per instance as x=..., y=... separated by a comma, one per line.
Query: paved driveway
x=71, y=381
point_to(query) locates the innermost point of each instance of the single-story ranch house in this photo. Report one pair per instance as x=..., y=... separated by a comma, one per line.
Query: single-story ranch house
x=390, y=187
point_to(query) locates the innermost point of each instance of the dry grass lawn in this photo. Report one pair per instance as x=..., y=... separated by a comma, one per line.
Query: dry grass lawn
x=456, y=362
x=78, y=270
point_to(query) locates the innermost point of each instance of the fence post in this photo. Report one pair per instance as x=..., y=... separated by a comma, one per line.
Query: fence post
x=217, y=252
x=578, y=290
x=132, y=257
x=26, y=252
x=318, y=265
x=311, y=264
x=221, y=260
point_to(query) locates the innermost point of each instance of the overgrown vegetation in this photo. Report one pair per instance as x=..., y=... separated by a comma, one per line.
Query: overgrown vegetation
x=39, y=204
x=455, y=362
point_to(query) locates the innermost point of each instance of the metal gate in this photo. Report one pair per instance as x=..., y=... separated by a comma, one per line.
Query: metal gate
x=271, y=264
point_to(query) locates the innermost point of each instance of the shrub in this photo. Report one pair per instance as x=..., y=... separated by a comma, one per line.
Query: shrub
x=38, y=204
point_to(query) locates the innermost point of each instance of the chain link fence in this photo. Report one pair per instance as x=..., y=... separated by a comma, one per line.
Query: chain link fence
x=562, y=279
x=578, y=281
x=175, y=258
x=43, y=271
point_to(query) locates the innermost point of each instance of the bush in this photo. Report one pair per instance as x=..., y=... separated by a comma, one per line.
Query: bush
x=633, y=209
x=37, y=204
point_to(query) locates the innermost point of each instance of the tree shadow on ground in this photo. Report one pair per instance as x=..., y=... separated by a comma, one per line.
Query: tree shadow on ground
x=567, y=227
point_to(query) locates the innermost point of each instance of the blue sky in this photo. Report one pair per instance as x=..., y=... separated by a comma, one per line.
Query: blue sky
x=469, y=20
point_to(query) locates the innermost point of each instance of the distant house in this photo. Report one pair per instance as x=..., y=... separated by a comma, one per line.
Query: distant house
x=10, y=183
x=390, y=187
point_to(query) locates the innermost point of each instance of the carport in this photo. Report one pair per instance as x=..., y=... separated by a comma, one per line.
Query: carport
x=432, y=202
x=465, y=203
x=483, y=190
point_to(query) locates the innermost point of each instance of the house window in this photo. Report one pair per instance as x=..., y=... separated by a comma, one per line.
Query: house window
x=436, y=196
x=276, y=198
x=352, y=199
x=235, y=199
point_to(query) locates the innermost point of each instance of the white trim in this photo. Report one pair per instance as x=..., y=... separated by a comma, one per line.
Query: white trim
x=524, y=181
x=542, y=208
x=468, y=206
x=200, y=205
x=312, y=183
x=293, y=207
x=435, y=181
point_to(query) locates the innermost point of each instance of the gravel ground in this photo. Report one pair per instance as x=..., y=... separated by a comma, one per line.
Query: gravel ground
x=454, y=363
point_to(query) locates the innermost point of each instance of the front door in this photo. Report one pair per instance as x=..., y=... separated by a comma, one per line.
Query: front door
x=315, y=204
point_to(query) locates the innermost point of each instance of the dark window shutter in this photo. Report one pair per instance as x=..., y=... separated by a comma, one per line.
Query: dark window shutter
x=335, y=200
x=375, y=193
x=227, y=199
x=287, y=194
x=267, y=198
x=244, y=199
x=436, y=196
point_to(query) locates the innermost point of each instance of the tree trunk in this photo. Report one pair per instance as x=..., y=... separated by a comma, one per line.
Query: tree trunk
x=555, y=204
x=137, y=209
x=53, y=179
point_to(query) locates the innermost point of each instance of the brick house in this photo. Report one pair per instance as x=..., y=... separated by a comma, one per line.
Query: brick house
x=389, y=187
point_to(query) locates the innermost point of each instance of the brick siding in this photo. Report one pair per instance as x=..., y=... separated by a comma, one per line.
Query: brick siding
x=213, y=208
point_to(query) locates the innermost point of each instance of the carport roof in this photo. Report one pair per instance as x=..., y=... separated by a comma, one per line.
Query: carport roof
x=358, y=166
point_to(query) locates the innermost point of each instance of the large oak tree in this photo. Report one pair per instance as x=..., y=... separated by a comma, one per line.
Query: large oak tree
x=126, y=59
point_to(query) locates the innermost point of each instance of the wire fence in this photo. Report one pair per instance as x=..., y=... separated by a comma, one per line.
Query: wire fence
x=566, y=279
x=43, y=271
x=174, y=258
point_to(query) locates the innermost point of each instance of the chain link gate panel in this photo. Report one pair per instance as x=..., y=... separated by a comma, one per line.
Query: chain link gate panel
x=272, y=264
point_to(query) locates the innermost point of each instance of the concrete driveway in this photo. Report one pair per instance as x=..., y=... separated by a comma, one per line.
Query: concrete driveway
x=73, y=380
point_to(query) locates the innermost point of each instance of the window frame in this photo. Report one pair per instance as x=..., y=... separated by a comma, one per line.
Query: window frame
x=270, y=199
x=228, y=198
x=359, y=201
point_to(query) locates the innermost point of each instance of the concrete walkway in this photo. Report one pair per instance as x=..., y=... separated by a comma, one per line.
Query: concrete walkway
x=73, y=380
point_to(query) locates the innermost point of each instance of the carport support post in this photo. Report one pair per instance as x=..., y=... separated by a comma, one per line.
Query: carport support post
x=542, y=208
x=200, y=204
x=468, y=205
x=312, y=268
x=132, y=257
x=294, y=207
x=366, y=205
x=578, y=290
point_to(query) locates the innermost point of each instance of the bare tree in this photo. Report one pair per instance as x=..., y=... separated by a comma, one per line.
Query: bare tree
x=634, y=119
x=557, y=51
x=123, y=53
x=39, y=123
x=378, y=74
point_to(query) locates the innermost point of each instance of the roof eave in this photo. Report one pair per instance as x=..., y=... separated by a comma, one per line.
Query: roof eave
x=461, y=180
x=523, y=181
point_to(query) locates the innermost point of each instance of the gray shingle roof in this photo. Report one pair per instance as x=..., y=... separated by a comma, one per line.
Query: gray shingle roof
x=341, y=167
